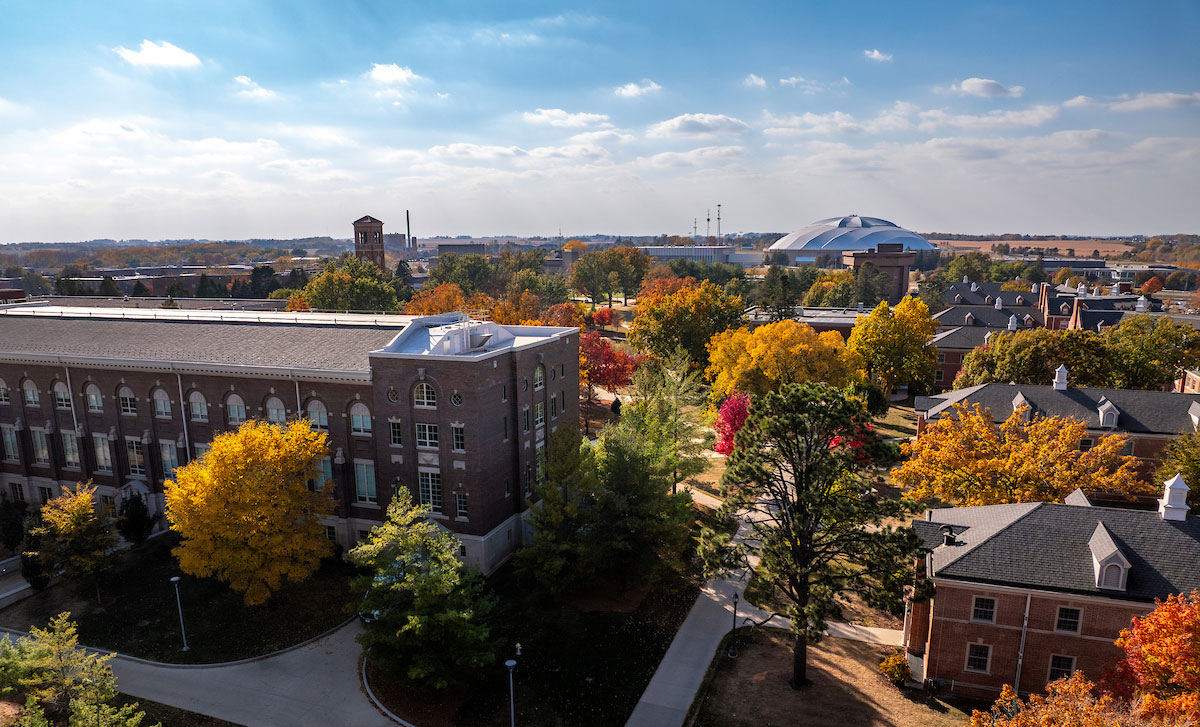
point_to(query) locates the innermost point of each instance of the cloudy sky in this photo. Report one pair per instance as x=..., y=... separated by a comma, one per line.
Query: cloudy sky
x=230, y=119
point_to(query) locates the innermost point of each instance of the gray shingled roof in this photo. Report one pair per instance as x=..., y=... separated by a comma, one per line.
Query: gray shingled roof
x=986, y=315
x=964, y=337
x=332, y=347
x=1047, y=548
x=983, y=290
x=1146, y=412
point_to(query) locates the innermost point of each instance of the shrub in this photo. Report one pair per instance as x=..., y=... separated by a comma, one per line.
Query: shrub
x=895, y=668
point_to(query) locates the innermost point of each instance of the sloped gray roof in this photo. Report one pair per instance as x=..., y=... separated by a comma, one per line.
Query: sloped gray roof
x=1047, y=548
x=332, y=347
x=964, y=337
x=980, y=295
x=988, y=315
x=1144, y=412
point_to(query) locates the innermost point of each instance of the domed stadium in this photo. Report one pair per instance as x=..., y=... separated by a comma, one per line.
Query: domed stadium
x=836, y=235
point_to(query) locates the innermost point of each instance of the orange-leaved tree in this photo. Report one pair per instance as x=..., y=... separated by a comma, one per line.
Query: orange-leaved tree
x=1160, y=671
x=687, y=319
x=246, y=510
x=968, y=459
x=444, y=298
x=1069, y=702
x=770, y=356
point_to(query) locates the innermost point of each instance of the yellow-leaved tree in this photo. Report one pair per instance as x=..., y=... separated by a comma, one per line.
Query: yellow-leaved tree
x=894, y=344
x=967, y=459
x=246, y=512
x=764, y=359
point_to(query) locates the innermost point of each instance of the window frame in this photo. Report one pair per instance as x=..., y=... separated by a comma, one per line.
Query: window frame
x=171, y=463
x=95, y=398
x=425, y=479
x=197, y=407
x=1051, y=668
x=71, y=457
x=5, y=393
x=396, y=431
x=161, y=404
x=104, y=459
x=366, y=490
x=41, y=446
x=1058, y=618
x=461, y=506
x=539, y=378
x=975, y=609
x=231, y=409
x=282, y=409
x=62, y=395
x=987, y=669
x=134, y=446
x=322, y=411
x=126, y=405
x=424, y=396
x=458, y=438
x=425, y=442
x=360, y=424
x=10, y=445
x=30, y=394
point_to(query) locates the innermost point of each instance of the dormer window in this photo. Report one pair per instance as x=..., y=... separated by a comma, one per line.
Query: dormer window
x=1108, y=414
x=1028, y=320
x=989, y=300
x=1020, y=300
x=1110, y=566
x=958, y=299
x=969, y=319
x=1112, y=576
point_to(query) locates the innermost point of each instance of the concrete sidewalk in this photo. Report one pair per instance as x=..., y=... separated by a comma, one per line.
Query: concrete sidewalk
x=317, y=685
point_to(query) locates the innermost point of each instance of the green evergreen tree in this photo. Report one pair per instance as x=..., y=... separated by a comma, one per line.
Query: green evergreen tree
x=108, y=287
x=134, y=521
x=140, y=290
x=12, y=523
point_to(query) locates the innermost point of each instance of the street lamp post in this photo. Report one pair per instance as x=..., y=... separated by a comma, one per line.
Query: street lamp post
x=733, y=629
x=512, y=700
x=179, y=603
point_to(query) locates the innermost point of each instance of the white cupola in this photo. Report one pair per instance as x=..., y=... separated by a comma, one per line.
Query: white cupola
x=999, y=303
x=1012, y=323
x=974, y=286
x=1173, y=505
x=965, y=279
x=1060, y=378
x=1142, y=304
x=1081, y=291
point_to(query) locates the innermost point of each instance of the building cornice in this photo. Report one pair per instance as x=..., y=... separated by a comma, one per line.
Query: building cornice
x=192, y=367
x=939, y=581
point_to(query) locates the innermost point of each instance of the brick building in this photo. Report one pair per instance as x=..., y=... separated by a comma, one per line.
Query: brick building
x=1031, y=592
x=368, y=241
x=454, y=409
x=1151, y=419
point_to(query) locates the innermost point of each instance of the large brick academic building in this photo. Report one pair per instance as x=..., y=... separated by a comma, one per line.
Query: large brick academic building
x=456, y=410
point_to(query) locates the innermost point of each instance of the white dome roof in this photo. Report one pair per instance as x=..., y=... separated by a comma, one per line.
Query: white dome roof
x=852, y=232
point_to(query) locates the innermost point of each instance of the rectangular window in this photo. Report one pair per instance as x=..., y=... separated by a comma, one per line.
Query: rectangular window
x=4, y=397
x=460, y=438
x=277, y=416
x=18, y=491
x=525, y=421
x=201, y=448
x=978, y=656
x=31, y=396
x=427, y=435
x=70, y=449
x=528, y=479
x=363, y=535
x=46, y=494
x=9, y=436
x=984, y=609
x=539, y=411
x=431, y=489
x=506, y=427
x=331, y=533
x=554, y=407
x=199, y=411
x=364, y=481
x=170, y=458
x=319, y=419
x=41, y=448
x=137, y=456
x=360, y=423
x=109, y=504
x=1068, y=620
x=162, y=407
x=128, y=404
x=324, y=474
x=235, y=414
x=1085, y=444
x=62, y=399
x=103, y=456
x=504, y=392
x=460, y=504
x=507, y=488
x=95, y=400
x=939, y=375
x=1061, y=667
x=397, y=433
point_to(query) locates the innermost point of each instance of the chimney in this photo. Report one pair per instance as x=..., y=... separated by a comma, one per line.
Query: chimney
x=974, y=286
x=1173, y=505
x=999, y=304
x=948, y=535
x=1012, y=323
x=1060, y=378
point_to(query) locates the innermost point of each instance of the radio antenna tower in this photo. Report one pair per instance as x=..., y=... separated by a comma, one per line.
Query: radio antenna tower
x=718, y=224
x=707, y=224
x=695, y=230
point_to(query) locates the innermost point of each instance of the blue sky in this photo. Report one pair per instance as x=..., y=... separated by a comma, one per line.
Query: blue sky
x=239, y=119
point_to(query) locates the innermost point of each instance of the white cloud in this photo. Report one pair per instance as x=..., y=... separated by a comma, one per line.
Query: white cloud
x=633, y=90
x=697, y=125
x=11, y=108
x=810, y=87
x=1079, y=101
x=1157, y=101
x=987, y=88
x=754, y=81
x=252, y=90
x=559, y=117
x=607, y=136
x=705, y=156
x=158, y=55
x=896, y=118
x=877, y=56
x=323, y=137
x=465, y=150
x=391, y=74
x=1033, y=116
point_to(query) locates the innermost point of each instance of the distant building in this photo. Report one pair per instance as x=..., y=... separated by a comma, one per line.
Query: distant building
x=368, y=241
x=887, y=257
x=1032, y=592
x=701, y=253
x=836, y=235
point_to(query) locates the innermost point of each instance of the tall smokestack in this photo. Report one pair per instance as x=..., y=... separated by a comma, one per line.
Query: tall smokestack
x=408, y=241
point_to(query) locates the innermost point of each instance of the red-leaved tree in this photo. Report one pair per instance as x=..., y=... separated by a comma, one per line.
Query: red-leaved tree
x=602, y=364
x=1152, y=286
x=1160, y=671
x=605, y=317
x=730, y=418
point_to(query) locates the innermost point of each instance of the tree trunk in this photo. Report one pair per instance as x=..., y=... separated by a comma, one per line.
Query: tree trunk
x=800, y=663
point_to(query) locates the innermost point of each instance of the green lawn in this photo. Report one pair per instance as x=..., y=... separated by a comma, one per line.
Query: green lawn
x=139, y=616
x=900, y=421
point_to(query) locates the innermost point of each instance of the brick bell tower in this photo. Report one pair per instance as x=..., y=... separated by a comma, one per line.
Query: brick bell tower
x=368, y=241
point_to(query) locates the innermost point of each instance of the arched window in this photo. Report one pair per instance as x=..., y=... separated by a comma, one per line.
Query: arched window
x=276, y=413
x=317, y=415
x=62, y=397
x=425, y=396
x=95, y=400
x=539, y=378
x=162, y=403
x=32, y=398
x=235, y=410
x=4, y=398
x=360, y=419
x=127, y=400
x=198, y=406
x=1112, y=576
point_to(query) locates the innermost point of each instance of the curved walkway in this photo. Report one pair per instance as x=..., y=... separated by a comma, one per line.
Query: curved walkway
x=316, y=685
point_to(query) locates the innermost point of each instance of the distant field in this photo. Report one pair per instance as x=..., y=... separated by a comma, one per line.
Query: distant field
x=1082, y=248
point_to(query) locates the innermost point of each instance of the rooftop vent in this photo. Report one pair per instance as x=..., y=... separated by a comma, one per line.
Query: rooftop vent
x=947, y=532
x=1060, y=378
x=1012, y=323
